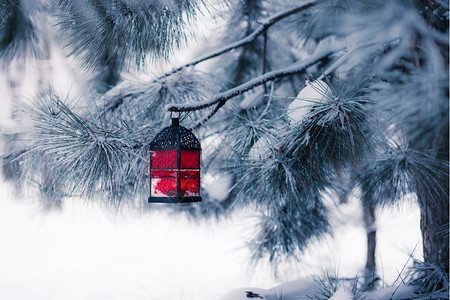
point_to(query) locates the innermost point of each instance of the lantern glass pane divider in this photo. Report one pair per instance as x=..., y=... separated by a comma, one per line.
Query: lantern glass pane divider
x=175, y=166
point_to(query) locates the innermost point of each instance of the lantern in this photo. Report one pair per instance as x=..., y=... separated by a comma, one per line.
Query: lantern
x=175, y=166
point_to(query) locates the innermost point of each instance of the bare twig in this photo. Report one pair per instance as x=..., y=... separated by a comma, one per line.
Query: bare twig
x=246, y=40
x=209, y=116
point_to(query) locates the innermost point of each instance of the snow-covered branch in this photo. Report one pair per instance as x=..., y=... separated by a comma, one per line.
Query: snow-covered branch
x=227, y=95
x=248, y=39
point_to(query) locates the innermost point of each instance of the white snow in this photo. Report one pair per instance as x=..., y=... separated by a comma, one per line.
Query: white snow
x=292, y=290
x=313, y=93
x=304, y=289
x=89, y=252
x=392, y=293
x=217, y=186
x=241, y=294
x=398, y=235
x=342, y=294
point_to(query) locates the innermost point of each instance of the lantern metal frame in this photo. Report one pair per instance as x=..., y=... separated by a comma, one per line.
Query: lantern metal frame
x=175, y=137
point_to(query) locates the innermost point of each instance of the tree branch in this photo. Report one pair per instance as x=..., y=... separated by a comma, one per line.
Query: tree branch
x=246, y=40
x=225, y=96
x=117, y=101
x=209, y=116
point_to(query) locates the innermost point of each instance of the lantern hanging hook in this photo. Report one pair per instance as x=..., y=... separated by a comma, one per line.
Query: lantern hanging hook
x=175, y=119
x=178, y=115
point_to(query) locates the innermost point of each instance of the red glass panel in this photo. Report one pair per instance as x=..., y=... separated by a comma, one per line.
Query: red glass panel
x=190, y=187
x=159, y=173
x=190, y=159
x=164, y=187
x=164, y=159
x=189, y=174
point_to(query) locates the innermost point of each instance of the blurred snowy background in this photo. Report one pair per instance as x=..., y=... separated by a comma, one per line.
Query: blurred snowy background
x=87, y=251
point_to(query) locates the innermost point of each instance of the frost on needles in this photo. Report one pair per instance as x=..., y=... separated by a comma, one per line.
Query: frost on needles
x=380, y=128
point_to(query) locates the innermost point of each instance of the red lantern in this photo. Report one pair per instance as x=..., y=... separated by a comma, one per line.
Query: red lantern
x=175, y=166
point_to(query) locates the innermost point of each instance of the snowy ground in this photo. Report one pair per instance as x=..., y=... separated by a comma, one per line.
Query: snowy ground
x=88, y=252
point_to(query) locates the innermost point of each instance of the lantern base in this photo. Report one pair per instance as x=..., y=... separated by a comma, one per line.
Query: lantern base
x=174, y=199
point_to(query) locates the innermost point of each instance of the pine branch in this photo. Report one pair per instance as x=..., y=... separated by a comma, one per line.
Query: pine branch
x=219, y=106
x=19, y=31
x=225, y=96
x=114, y=103
x=112, y=33
x=221, y=98
x=210, y=115
x=246, y=40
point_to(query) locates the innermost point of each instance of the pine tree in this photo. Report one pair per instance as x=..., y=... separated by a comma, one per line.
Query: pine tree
x=379, y=70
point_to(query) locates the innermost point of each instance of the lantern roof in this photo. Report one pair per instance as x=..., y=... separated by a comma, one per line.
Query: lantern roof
x=175, y=137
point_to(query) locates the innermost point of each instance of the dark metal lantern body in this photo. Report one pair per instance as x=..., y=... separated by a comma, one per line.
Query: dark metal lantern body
x=175, y=166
